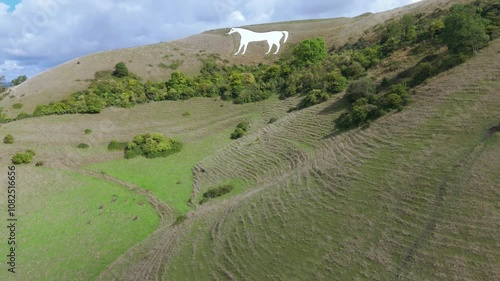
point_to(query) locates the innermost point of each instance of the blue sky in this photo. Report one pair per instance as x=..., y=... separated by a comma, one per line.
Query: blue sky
x=11, y=3
x=40, y=34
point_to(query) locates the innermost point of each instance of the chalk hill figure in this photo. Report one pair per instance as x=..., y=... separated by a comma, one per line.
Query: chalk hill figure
x=247, y=36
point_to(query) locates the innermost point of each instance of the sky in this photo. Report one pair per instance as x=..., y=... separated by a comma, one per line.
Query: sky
x=39, y=34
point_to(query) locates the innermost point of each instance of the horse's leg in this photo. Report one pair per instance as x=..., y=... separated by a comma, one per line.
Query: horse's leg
x=278, y=49
x=239, y=49
x=245, y=48
x=270, y=47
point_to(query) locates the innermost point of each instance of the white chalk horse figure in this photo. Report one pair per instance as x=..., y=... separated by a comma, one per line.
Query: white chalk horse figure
x=247, y=36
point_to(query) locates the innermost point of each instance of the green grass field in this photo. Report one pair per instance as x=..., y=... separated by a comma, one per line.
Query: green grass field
x=170, y=178
x=71, y=227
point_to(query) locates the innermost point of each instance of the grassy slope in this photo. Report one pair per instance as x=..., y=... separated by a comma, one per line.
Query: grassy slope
x=348, y=212
x=62, y=232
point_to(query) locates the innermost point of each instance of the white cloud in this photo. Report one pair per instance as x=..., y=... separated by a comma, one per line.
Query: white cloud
x=39, y=34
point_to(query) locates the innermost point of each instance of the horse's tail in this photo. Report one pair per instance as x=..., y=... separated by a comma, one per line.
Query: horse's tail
x=286, y=35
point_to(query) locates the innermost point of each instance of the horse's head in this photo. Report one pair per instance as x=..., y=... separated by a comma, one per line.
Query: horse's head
x=233, y=30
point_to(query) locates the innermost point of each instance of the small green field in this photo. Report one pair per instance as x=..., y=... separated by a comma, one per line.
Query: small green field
x=170, y=178
x=71, y=227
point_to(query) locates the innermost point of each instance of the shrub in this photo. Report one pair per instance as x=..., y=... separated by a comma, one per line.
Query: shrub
x=88, y=131
x=310, y=51
x=218, y=191
x=464, y=30
x=361, y=88
x=314, y=97
x=335, y=82
x=22, y=115
x=243, y=125
x=39, y=163
x=23, y=157
x=83, y=145
x=116, y=145
x=238, y=133
x=186, y=114
x=17, y=105
x=180, y=219
x=151, y=146
x=272, y=120
x=121, y=70
x=424, y=71
x=8, y=139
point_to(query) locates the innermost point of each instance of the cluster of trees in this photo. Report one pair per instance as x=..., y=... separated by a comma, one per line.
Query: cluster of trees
x=367, y=106
x=151, y=146
x=18, y=80
x=309, y=70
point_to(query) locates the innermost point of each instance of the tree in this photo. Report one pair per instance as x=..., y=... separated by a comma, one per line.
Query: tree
x=121, y=70
x=310, y=51
x=19, y=80
x=464, y=30
x=361, y=88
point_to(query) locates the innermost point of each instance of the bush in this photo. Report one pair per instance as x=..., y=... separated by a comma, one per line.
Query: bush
x=186, y=114
x=243, y=125
x=151, y=146
x=22, y=115
x=83, y=145
x=23, y=157
x=88, y=131
x=238, y=133
x=121, y=70
x=310, y=51
x=39, y=163
x=240, y=130
x=180, y=219
x=361, y=88
x=335, y=82
x=424, y=70
x=218, y=191
x=116, y=145
x=17, y=105
x=314, y=97
x=8, y=139
x=272, y=120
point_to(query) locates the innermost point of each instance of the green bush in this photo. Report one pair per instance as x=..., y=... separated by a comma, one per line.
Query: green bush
x=238, y=133
x=243, y=125
x=335, y=82
x=272, y=120
x=23, y=157
x=39, y=163
x=361, y=88
x=116, y=145
x=22, y=115
x=314, y=97
x=151, y=146
x=8, y=139
x=310, y=51
x=218, y=191
x=464, y=30
x=180, y=219
x=17, y=105
x=83, y=145
x=186, y=114
x=423, y=71
x=121, y=70
x=88, y=131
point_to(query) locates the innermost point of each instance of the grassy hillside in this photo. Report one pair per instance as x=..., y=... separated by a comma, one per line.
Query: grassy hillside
x=412, y=195
x=151, y=62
